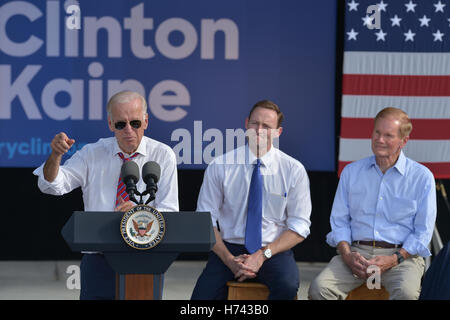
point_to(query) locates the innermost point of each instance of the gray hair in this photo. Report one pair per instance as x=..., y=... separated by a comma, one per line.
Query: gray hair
x=405, y=122
x=124, y=97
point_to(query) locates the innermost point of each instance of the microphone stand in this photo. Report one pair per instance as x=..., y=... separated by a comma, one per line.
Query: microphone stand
x=151, y=189
x=141, y=195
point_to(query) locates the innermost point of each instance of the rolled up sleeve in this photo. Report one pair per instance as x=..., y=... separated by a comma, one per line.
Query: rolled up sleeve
x=417, y=242
x=70, y=176
x=55, y=187
x=299, y=205
x=210, y=198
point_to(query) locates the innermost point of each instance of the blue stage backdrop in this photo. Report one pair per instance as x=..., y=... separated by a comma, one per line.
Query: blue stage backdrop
x=201, y=65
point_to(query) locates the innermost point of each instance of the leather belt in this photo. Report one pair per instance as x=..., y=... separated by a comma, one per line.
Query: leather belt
x=378, y=244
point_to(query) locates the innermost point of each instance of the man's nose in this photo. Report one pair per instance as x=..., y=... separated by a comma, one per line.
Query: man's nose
x=261, y=130
x=128, y=127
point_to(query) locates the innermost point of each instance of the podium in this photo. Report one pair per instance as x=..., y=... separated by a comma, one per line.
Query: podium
x=139, y=272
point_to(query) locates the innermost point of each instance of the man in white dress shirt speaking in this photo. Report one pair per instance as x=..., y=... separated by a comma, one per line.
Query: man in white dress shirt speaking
x=260, y=206
x=96, y=169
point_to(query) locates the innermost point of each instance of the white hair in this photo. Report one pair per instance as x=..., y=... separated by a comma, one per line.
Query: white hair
x=124, y=97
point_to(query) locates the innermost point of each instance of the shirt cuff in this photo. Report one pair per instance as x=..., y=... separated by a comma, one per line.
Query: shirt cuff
x=299, y=226
x=44, y=185
x=213, y=217
x=336, y=236
x=415, y=247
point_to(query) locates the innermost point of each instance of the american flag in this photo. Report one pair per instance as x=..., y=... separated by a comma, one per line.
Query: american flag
x=404, y=63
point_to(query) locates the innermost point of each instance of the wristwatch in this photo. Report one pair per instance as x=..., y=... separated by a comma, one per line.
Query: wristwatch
x=400, y=258
x=267, y=253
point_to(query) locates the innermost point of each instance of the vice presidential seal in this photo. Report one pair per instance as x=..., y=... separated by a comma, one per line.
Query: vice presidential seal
x=142, y=227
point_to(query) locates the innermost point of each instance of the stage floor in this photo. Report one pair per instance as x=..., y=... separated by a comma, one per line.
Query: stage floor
x=52, y=280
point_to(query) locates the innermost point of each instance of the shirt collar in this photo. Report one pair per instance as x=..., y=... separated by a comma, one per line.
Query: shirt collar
x=400, y=165
x=266, y=160
x=141, y=148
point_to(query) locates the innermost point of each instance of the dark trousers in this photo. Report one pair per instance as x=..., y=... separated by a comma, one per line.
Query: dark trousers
x=436, y=282
x=279, y=273
x=98, y=280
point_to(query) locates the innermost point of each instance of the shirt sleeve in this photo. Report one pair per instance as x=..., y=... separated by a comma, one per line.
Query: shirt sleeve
x=71, y=175
x=210, y=198
x=340, y=214
x=424, y=221
x=299, y=205
x=166, y=198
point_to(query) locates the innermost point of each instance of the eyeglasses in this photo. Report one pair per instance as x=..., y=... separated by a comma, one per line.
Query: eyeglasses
x=136, y=124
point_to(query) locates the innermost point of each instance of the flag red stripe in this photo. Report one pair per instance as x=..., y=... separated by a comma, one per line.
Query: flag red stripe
x=395, y=85
x=441, y=170
x=423, y=129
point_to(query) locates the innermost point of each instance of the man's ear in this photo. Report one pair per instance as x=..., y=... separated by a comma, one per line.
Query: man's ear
x=246, y=123
x=110, y=124
x=280, y=131
x=146, y=121
x=404, y=142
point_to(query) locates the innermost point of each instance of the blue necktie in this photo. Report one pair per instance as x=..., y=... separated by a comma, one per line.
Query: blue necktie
x=254, y=212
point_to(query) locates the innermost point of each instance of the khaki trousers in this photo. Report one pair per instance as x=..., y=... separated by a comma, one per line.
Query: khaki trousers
x=336, y=280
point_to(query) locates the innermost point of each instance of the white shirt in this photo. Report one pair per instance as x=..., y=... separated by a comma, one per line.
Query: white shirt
x=96, y=169
x=286, y=197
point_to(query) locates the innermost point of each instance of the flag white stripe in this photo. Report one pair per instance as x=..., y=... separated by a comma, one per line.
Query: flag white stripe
x=418, y=150
x=356, y=106
x=397, y=63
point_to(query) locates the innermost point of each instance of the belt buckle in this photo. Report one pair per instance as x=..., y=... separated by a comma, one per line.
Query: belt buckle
x=374, y=245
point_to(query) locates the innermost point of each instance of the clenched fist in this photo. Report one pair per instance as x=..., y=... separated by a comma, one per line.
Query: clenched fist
x=61, y=144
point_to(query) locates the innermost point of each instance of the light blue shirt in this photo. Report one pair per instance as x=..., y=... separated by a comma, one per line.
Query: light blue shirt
x=398, y=207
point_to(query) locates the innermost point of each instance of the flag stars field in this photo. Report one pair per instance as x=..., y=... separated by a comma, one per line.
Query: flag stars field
x=405, y=63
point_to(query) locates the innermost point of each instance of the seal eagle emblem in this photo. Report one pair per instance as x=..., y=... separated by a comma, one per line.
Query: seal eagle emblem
x=142, y=227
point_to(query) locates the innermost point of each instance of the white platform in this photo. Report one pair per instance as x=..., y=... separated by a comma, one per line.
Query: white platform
x=48, y=280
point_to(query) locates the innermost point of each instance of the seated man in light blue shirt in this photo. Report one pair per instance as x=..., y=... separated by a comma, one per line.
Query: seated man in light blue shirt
x=382, y=218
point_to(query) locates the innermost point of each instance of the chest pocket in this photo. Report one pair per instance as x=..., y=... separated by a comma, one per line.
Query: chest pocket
x=402, y=211
x=274, y=197
x=274, y=206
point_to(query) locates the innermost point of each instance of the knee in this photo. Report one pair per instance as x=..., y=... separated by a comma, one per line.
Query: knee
x=290, y=286
x=405, y=292
x=319, y=291
x=285, y=288
x=314, y=292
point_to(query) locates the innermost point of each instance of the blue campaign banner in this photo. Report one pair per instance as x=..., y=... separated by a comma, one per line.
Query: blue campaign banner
x=201, y=65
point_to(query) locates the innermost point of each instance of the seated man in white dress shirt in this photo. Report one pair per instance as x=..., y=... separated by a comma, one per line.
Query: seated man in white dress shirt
x=96, y=169
x=382, y=218
x=284, y=212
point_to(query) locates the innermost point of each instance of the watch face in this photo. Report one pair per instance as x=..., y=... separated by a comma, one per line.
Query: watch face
x=400, y=258
x=268, y=253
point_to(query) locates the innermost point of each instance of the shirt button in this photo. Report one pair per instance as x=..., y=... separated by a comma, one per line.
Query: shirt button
x=381, y=198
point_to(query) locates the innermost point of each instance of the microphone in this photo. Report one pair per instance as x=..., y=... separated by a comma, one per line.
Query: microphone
x=130, y=176
x=151, y=172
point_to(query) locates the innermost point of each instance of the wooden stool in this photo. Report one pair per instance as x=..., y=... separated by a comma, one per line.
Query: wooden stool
x=364, y=293
x=247, y=291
